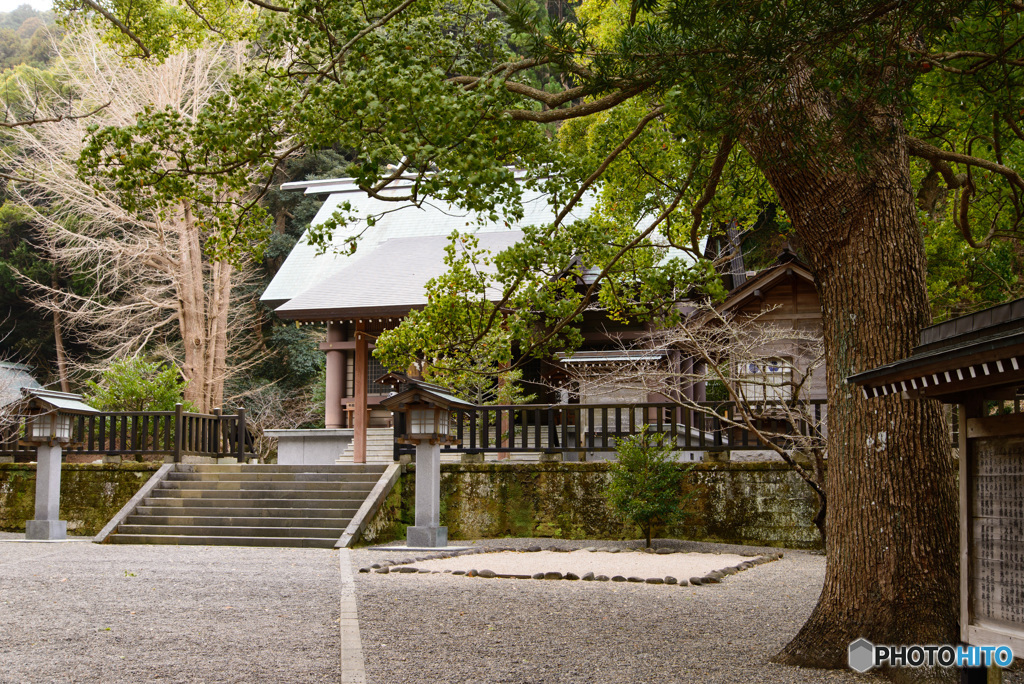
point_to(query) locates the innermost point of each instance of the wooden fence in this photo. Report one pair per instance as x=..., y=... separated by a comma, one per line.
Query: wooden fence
x=171, y=434
x=597, y=427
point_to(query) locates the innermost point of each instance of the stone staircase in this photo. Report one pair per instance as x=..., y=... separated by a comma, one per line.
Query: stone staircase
x=380, y=447
x=250, y=505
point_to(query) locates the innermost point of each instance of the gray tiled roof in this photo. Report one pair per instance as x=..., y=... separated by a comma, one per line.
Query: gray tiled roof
x=389, y=280
x=304, y=269
x=14, y=376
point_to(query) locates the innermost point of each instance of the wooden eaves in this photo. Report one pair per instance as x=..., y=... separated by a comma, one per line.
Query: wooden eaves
x=957, y=357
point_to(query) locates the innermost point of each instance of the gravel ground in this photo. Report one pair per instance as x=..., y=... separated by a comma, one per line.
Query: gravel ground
x=82, y=612
x=439, y=628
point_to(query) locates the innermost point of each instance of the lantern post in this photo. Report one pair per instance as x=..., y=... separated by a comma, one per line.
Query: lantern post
x=428, y=424
x=48, y=426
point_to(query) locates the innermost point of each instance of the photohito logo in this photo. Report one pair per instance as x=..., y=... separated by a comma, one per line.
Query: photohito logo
x=864, y=655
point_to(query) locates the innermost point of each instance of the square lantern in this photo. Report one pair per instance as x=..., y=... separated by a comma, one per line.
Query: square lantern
x=49, y=416
x=45, y=427
x=428, y=413
x=428, y=422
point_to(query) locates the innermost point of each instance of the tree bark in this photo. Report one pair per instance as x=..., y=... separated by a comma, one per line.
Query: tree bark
x=58, y=340
x=891, y=568
x=192, y=309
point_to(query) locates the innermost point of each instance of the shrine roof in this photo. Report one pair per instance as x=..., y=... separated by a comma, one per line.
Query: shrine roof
x=981, y=350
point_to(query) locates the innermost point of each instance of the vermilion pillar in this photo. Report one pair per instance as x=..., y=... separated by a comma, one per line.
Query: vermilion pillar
x=335, y=373
x=361, y=418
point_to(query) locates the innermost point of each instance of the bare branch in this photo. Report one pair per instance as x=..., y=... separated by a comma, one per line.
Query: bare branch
x=149, y=284
x=710, y=345
x=53, y=119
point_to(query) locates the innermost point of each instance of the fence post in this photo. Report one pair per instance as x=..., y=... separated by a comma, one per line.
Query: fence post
x=240, y=445
x=178, y=428
x=218, y=433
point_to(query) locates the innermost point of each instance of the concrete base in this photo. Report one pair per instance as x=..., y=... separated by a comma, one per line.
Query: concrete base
x=472, y=458
x=47, y=530
x=310, y=447
x=550, y=458
x=426, y=536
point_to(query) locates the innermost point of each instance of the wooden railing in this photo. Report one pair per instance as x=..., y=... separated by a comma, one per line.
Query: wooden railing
x=597, y=427
x=172, y=434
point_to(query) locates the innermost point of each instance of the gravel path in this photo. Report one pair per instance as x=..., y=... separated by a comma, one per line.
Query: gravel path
x=81, y=612
x=439, y=628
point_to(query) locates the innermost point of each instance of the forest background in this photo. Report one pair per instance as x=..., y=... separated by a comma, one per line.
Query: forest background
x=273, y=368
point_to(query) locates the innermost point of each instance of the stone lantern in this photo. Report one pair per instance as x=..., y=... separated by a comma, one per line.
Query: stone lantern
x=428, y=424
x=48, y=426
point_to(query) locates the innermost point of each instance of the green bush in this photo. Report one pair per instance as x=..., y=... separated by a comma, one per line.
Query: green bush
x=646, y=482
x=135, y=384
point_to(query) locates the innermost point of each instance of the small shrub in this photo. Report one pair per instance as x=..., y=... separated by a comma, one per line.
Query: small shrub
x=135, y=384
x=646, y=483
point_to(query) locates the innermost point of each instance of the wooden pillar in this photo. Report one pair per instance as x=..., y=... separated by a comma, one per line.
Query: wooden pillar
x=335, y=377
x=360, y=418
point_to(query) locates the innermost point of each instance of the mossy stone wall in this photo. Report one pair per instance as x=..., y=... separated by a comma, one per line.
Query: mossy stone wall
x=740, y=503
x=90, y=494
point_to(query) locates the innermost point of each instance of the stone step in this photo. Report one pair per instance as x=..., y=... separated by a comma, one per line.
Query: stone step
x=266, y=502
x=293, y=542
x=270, y=485
x=247, y=513
x=267, y=477
x=343, y=468
x=203, y=519
x=231, y=531
x=182, y=493
x=251, y=505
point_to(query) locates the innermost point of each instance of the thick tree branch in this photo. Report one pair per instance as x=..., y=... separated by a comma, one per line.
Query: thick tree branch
x=939, y=159
x=268, y=6
x=542, y=96
x=710, y=188
x=585, y=109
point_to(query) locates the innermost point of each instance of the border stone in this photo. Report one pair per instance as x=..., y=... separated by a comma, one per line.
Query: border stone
x=713, y=577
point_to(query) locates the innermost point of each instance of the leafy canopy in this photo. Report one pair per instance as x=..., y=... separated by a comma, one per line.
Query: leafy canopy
x=664, y=105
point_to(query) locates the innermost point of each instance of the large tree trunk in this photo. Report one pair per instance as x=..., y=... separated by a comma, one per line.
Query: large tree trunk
x=192, y=311
x=891, y=568
x=220, y=284
x=58, y=339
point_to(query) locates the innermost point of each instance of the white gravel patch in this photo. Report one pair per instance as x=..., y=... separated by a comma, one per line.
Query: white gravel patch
x=630, y=564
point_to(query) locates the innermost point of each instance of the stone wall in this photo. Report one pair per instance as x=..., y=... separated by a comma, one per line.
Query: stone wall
x=742, y=503
x=90, y=494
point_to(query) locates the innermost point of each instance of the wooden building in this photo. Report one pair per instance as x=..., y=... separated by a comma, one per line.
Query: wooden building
x=360, y=295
